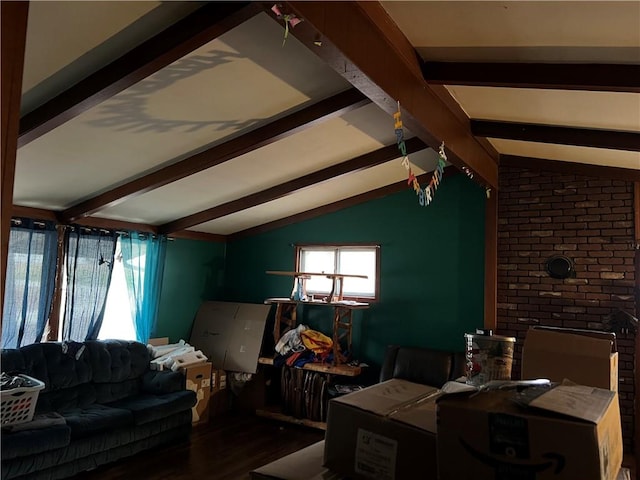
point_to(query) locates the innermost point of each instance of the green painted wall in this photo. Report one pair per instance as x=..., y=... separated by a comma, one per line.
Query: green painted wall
x=193, y=272
x=432, y=267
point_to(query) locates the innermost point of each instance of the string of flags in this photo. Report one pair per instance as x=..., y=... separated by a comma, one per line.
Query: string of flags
x=426, y=194
x=289, y=19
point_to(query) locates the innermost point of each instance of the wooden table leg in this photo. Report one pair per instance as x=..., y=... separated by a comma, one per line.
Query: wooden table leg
x=342, y=318
x=285, y=313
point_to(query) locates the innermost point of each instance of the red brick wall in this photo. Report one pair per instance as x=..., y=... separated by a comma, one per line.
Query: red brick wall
x=589, y=220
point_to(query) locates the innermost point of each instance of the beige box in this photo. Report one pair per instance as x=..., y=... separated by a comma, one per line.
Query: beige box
x=218, y=380
x=230, y=334
x=584, y=357
x=305, y=464
x=386, y=431
x=198, y=379
x=570, y=432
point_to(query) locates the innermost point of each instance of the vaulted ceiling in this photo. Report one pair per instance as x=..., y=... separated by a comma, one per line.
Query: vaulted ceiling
x=215, y=118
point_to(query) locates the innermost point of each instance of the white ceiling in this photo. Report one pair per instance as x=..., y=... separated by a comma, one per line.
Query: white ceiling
x=247, y=78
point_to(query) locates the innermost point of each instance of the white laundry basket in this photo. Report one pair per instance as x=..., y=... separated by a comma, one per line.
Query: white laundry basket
x=19, y=404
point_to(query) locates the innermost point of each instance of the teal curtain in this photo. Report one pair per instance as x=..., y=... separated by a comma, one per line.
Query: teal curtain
x=30, y=281
x=143, y=261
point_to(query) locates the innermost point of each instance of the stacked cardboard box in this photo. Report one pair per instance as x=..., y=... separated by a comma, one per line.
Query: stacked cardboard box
x=569, y=432
x=585, y=357
x=386, y=431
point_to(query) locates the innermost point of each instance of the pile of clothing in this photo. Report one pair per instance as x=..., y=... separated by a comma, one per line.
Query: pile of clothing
x=302, y=345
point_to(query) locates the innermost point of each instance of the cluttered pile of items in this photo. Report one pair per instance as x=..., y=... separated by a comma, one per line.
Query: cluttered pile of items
x=561, y=420
x=200, y=375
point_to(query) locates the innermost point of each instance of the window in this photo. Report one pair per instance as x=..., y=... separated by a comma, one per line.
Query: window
x=117, y=322
x=344, y=259
x=30, y=279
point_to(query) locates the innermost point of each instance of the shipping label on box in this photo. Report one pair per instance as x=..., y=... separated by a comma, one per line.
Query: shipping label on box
x=574, y=434
x=218, y=380
x=376, y=433
x=557, y=354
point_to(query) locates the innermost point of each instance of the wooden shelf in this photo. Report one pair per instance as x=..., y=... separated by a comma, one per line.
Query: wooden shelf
x=345, y=303
x=342, y=369
x=275, y=414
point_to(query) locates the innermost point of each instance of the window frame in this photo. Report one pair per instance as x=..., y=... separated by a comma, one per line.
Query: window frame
x=337, y=246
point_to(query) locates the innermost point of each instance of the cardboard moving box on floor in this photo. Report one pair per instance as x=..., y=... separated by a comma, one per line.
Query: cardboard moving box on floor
x=568, y=433
x=305, y=464
x=198, y=379
x=386, y=431
x=584, y=357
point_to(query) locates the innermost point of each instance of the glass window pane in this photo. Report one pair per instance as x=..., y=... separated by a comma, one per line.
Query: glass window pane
x=118, y=322
x=318, y=261
x=358, y=262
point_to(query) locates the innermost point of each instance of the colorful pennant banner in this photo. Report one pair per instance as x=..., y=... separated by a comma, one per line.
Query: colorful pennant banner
x=289, y=19
x=426, y=194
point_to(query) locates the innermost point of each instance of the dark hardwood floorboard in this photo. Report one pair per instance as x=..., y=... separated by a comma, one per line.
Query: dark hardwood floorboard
x=226, y=448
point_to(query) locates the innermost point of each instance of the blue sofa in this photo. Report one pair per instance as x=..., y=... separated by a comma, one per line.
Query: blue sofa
x=112, y=405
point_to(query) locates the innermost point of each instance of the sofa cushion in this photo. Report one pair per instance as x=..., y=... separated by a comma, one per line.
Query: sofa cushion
x=80, y=396
x=148, y=408
x=96, y=419
x=34, y=441
x=117, y=360
x=89, y=452
x=162, y=381
x=111, y=392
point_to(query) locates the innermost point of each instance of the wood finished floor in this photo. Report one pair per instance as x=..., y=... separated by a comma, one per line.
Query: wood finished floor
x=226, y=448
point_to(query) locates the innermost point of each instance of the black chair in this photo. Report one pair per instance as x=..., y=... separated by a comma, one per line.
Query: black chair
x=422, y=365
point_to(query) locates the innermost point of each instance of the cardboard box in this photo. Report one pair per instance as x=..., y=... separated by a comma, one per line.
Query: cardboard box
x=305, y=464
x=230, y=334
x=570, y=432
x=584, y=357
x=386, y=431
x=198, y=379
x=218, y=380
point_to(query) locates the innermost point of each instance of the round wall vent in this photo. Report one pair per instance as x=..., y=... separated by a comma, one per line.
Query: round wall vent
x=560, y=266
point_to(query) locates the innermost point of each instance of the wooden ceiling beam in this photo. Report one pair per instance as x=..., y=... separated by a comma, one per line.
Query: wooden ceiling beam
x=284, y=127
x=361, y=42
x=362, y=162
x=595, y=77
x=200, y=27
x=112, y=224
x=531, y=132
x=559, y=166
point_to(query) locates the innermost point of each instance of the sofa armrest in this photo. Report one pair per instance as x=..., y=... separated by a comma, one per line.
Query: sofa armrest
x=164, y=381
